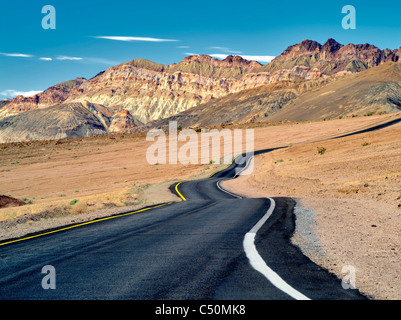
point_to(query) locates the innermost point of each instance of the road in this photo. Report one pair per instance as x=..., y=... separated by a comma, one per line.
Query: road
x=206, y=247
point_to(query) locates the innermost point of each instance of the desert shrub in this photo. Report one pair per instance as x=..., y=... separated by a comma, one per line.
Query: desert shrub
x=79, y=207
x=72, y=202
x=321, y=150
x=27, y=201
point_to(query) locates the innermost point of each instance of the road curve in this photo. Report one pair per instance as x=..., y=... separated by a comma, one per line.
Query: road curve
x=188, y=250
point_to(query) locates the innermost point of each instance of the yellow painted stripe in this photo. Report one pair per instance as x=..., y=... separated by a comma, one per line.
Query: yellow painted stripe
x=107, y=218
x=82, y=224
x=225, y=167
x=179, y=193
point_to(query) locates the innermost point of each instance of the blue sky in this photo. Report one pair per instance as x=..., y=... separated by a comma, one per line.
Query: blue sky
x=32, y=58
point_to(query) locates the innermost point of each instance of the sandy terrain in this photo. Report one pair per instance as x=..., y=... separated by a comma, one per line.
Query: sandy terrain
x=349, y=198
x=352, y=189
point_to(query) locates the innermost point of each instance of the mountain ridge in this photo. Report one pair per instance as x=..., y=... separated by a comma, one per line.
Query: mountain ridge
x=150, y=91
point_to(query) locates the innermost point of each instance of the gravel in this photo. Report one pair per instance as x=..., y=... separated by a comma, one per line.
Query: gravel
x=304, y=236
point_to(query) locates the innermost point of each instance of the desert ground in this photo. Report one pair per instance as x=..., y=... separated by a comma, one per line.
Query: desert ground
x=350, y=193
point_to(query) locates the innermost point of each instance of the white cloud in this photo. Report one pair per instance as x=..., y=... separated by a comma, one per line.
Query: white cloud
x=228, y=50
x=68, y=58
x=261, y=59
x=87, y=59
x=190, y=54
x=219, y=48
x=219, y=55
x=127, y=39
x=265, y=59
x=14, y=93
x=19, y=55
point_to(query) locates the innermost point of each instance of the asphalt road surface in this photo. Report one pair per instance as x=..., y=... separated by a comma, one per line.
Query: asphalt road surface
x=213, y=245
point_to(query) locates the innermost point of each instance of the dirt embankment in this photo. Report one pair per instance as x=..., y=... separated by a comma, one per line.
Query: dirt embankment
x=6, y=202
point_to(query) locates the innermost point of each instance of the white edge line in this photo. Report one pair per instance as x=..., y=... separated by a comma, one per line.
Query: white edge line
x=247, y=162
x=226, y=191
x=260, y=265
x=239, y=173
x=252, y=254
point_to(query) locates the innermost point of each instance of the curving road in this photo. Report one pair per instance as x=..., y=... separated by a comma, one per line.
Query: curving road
x=213, y=245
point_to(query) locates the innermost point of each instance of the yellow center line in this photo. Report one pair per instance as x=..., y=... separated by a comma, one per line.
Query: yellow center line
x=84, y=223
x=179, y=193
x=106, y=218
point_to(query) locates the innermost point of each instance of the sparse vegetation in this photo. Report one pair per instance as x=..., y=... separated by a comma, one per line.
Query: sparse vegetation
x=365, y=144
x=321, y=150
x=27, y=201
x=72, y=202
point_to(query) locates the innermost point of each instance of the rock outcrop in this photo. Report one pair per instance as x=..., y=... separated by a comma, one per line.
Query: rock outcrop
x=4, y=102
x=56, y=122
x=122, y=121
x=68, y=120
x=52, y=96
x=373, y=91
x=331, y=58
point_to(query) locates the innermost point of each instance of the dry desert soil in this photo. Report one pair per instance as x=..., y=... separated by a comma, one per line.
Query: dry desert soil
x=348, y=197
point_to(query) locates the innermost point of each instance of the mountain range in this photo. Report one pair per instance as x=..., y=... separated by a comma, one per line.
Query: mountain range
x=308, y=81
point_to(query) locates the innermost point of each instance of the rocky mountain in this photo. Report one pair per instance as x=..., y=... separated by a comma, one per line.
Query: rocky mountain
x=152, y=91
x=331, y=58
x=149, y=91
x=122, y=121
x=4, y=102
x=69, y=120
x=373, y=91
x=54, y=95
